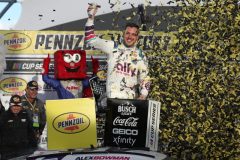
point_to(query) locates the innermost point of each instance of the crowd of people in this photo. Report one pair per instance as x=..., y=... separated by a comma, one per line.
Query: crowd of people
x=22, y=123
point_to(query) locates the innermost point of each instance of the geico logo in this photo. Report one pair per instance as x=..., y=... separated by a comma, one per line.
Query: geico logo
x=133, y=132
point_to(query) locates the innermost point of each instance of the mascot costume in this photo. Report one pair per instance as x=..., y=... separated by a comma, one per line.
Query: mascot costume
x=2, y=66
x=70, y=78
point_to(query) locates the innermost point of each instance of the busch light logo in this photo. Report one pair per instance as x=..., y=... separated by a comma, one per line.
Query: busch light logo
x=127, y=109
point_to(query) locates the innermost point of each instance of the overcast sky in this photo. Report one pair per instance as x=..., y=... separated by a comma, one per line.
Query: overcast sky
x=44, y=13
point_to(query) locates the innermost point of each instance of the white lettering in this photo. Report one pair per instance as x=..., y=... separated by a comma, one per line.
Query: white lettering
x=130, y=109
x=120, y=139
x=129, y=122
x=120, y=131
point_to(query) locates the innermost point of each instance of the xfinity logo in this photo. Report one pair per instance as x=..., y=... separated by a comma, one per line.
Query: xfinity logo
x=126, y=69
x=121, y=138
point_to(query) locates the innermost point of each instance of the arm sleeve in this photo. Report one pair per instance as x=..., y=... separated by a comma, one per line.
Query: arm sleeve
x=2, y=108
x=2, y=121
x=51, y=81
x=92, y=40
x=43, y=118
x=144, y=78
x=31, y=136
x=56, y=84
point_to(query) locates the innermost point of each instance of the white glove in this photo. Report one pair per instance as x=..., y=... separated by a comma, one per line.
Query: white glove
x=92, y=9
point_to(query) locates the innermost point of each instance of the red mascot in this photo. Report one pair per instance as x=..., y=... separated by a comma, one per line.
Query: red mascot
x=70, y=78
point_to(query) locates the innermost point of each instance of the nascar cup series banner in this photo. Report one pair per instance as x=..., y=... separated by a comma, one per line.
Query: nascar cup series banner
x=132, y=123
x=71, y=123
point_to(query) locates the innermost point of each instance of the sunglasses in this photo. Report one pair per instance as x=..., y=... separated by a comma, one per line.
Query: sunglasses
x=15, y=104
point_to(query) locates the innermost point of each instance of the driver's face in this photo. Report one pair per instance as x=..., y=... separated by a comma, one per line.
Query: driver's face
x=130, y=36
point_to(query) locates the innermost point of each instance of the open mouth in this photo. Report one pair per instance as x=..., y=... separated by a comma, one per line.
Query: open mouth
x=72, y=69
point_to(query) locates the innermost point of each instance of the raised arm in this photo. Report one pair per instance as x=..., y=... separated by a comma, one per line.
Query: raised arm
x=90, y=37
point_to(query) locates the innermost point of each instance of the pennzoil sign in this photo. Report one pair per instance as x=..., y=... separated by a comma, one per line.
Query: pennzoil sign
x=16, y=41
x=71, y=123
x=13, y=85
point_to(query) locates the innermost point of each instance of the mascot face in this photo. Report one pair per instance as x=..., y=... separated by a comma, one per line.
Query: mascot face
x=70, y=64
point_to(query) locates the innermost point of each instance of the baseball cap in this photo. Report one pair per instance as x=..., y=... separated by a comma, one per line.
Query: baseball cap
x=32, y=85
x=15, y=100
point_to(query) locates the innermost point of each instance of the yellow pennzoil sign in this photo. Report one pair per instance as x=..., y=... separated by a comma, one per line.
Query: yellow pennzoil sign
x=17, y=41
x=71, y=123
x=13, y=85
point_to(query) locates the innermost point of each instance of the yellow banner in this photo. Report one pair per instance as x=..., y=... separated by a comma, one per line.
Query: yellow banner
x=41, y=42
x=71, y=123
x=47, y=42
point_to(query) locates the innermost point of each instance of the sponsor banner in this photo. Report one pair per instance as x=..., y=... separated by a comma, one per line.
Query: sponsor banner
x=47, y=42
x=21, y=69
x=16, y=84
x=132, y=123
x=13, y=85
x=71, y=123
x=34, y=65
x=110, y=156
x=126, y=123
x=120, y=155
x=153, y=125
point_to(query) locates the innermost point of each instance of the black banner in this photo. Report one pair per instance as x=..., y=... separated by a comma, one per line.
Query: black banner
x=34, y=65
x=99, y=91
x=126, y=123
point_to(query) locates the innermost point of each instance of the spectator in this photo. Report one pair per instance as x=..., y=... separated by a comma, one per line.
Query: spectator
x=2, y=108
x=16, y=131
x=34, y=107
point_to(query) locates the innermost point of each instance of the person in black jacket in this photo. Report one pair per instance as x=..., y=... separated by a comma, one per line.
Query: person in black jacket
x=16, y=131
x=2, y=108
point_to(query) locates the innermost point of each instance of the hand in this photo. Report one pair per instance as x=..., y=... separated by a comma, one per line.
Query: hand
x=92, y=10
x=141, y=97
x=46, y=62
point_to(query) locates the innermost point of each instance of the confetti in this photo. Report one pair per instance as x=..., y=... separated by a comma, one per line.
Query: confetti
x=196, y=78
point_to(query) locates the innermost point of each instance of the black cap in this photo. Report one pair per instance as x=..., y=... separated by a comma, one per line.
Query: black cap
x=32, y=85
x=15, y=100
